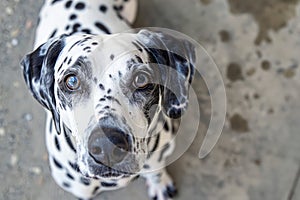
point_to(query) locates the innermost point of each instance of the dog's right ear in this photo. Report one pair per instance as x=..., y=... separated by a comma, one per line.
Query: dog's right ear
x=38, y=72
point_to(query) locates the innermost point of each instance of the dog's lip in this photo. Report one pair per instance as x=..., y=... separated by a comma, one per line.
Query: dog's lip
x=109, y=172
x=110, y=175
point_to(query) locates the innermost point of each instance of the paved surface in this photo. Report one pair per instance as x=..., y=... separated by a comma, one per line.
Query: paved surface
x=256, y=46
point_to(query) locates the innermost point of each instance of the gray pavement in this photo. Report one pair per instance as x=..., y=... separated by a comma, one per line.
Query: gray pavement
x=256, y=45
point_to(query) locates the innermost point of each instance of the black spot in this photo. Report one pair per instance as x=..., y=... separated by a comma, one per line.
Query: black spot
x=50, y=126
x=166, y=127
x=86, y=48
x=106, y=107
x=67, y=133
x=95, y=190
x=165, y=148
x=38, y=21
x=53, y=33
x=70, y=176
x=120, y=74
x=95, y=80
x=80, y=6
x=112, y=56
x=110, y=98
x=101, y=86
x=95, y=43
x=55, y=1
x=73, y=16
x=103, y=8
x=57, y=164
x=110, y=76
x=65, y=60
x=57, y=143
x=74, y=166
x=70, y=60
x=108, y=91
x=174, y=130
x=155, y=145
x=68, y=4
x=159, y=175
x=86, y=30
x=139, y=59
x=118, y=8
x=102, y=99
x=136, y=177
x=67, y=27
x=76, y=27
x=119, y=16
x=85, y=181
x=102, y=27
x=66, y=185
x=146, y=166
x=105, y=184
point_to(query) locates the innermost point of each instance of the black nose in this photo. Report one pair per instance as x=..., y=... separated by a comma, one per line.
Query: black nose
x=108, y=146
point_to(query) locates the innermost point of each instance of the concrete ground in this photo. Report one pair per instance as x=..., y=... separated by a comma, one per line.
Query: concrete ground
x=256, y=45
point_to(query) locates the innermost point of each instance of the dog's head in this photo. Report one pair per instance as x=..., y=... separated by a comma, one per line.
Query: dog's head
x=110, y=91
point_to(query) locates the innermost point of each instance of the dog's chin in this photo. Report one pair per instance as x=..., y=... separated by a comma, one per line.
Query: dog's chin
x=109, y=174
x=98, y=171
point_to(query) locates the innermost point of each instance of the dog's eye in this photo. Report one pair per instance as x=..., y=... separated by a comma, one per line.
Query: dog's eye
x=72, y=82
x=141, y=80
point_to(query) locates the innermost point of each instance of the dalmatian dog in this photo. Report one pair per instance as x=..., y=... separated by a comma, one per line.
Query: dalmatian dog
x=111, y=116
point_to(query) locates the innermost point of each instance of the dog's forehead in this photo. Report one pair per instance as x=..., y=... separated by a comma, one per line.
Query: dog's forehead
x=102, y=50
x=116, y=50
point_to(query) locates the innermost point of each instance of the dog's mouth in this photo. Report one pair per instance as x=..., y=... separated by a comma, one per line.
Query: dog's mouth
x=108, y=172
x=100, y=171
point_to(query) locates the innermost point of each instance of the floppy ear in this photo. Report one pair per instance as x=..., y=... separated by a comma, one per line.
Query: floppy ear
x=38, y=72
x=175, y=58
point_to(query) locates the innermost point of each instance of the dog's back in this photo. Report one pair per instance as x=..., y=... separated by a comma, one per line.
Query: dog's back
x=59, y=17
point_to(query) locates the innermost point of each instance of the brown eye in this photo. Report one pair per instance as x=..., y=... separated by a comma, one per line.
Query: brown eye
x=72, y=82
x=141, y=80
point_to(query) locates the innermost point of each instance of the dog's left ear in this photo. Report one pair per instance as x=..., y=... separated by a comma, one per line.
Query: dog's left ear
x=175, y=58
x=38, y=72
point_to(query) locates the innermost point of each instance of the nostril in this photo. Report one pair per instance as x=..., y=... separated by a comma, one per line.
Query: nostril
x=118, y=154
x=121, y=143
x=96, y=150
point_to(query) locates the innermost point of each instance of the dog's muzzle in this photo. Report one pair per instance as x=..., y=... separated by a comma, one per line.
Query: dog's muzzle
x=108, y=146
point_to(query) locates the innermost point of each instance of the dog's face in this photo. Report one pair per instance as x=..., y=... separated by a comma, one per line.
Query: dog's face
x=110, y=92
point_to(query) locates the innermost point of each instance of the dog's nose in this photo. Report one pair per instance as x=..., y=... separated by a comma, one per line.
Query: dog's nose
x=108, y=146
